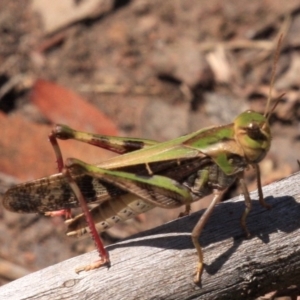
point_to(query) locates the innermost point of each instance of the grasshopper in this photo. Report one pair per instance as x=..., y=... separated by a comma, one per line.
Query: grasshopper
x=148, y=174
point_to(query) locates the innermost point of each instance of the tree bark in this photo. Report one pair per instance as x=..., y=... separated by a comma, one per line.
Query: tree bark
x=160, y=263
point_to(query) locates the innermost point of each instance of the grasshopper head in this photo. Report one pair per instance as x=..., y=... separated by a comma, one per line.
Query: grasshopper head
x=252, y=132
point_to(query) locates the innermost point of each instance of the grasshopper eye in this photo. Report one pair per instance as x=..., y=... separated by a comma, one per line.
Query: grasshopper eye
x=254, y=132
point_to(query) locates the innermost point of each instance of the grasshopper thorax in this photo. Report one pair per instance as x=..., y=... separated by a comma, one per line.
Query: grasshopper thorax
x=252, y=132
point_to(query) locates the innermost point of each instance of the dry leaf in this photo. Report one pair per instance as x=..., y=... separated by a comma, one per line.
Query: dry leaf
x=56, y=14
x=63, y=106
x=27, y=154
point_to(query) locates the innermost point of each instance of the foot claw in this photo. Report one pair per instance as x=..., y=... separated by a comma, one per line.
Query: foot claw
x=95, y=265
x=64, y=212
x=183, y=214
x=197, y=278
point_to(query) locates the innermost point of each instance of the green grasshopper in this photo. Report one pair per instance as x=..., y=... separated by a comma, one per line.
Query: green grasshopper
x=148, y=174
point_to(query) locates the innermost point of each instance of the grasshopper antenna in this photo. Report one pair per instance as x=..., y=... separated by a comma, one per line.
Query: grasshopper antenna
x=274, y=107
x=276, y=58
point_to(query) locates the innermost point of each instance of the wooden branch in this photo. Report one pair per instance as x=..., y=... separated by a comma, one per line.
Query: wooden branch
x=160, y=263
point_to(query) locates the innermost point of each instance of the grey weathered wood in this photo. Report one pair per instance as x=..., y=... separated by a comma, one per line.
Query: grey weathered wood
x=159, y=264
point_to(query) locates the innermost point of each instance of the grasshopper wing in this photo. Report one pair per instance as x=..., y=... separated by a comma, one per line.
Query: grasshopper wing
x=155, y=189
x=54, y=193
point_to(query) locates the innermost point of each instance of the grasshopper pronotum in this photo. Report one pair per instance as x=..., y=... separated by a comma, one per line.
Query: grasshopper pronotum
x=148, y=174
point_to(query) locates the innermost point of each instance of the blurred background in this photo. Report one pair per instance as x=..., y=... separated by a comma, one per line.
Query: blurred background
x=140, y=68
